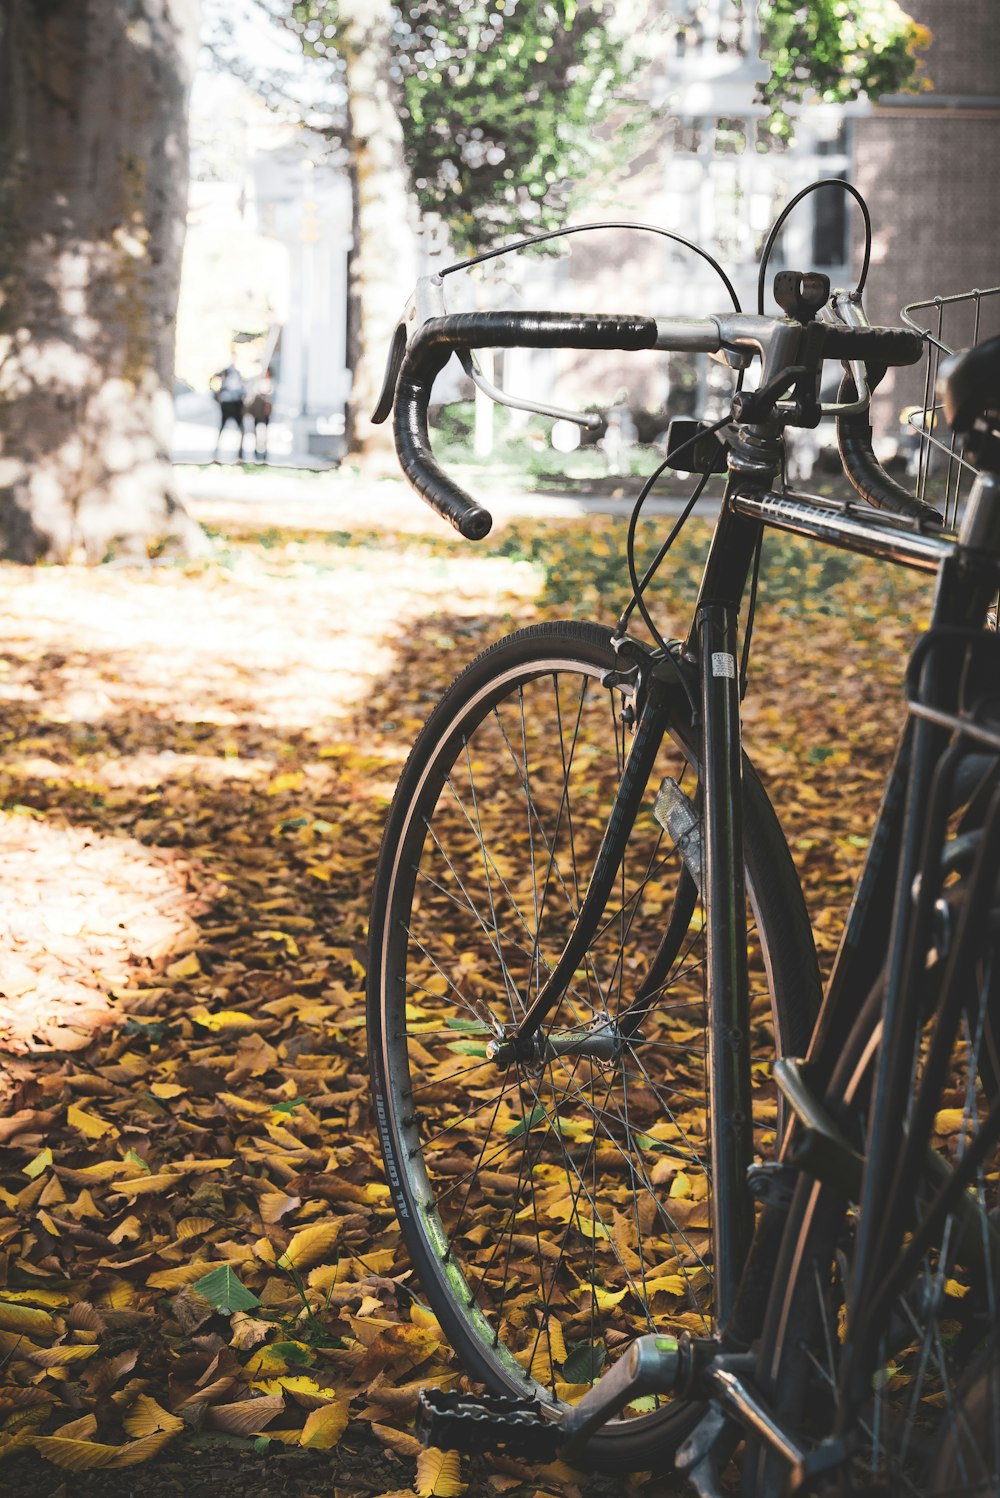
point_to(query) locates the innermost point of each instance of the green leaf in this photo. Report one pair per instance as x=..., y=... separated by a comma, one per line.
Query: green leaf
x=294, y=1352
x=536, y=1116
x=289, y=1107
x=466, y=1024
x=468, y=1048
x=224, y=1291
x=584, y=1363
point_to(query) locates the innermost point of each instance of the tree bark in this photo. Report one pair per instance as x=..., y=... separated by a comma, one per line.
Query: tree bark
x=384, y=259
x=93, y=191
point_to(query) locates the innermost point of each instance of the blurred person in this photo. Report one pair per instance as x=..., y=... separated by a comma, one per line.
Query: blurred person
x=259, y=408
x=230, y=390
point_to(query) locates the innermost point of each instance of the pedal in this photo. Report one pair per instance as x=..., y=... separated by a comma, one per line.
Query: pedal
x=487, y=1422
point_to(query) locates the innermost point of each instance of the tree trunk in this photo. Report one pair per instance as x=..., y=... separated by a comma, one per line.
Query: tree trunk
x=93, y=189
x=384, y=259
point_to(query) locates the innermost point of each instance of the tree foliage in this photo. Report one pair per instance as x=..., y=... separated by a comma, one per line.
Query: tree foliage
x=837, y=50
x=502, y=103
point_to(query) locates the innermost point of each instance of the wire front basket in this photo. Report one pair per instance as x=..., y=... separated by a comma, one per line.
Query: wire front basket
x=937, y=464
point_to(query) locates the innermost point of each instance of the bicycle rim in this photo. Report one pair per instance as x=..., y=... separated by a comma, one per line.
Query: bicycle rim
x=557, y=1209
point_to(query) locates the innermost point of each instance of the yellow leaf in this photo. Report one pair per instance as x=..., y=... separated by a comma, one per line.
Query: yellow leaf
x=144, y=1185
x=88, y=1123
x=15, y=1318
x=311, y=1246
x=184, y=1274
x=266, y=1360
x=439, y=1474
x=949, y=1120
x=74, y=1456
x=185, y=967
x=669, y=1284
x=303, y=1388
x=290, y=944
x=126, y=1232
x=41, y=1162
x=143, y=1449
x=290, y=780
x=325, y=1426
x=605, y=1300
x=78, y=1430
x=556, y=1340
x=421, y=1316
x=223, y=1019
x=146, y=1416
x=102, y=1171
x=118, y=1296
x=166, y=1089
x=192, y=1227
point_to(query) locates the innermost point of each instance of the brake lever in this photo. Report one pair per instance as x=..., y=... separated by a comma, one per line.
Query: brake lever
x=426, y=302
x=846, y=310
x=589, y=420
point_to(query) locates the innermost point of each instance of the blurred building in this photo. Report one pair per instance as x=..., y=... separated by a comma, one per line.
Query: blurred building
x=266, y=265
x=714, y=174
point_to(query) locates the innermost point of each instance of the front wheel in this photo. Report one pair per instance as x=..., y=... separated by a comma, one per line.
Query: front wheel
x=556, y=1208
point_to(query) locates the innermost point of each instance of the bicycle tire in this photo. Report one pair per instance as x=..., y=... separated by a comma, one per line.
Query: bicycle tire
x=932, y=1425
x=507, y=718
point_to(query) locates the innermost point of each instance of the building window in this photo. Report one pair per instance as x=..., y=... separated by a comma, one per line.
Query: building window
x=730, y=136
x=684, y=137
x=829, y=246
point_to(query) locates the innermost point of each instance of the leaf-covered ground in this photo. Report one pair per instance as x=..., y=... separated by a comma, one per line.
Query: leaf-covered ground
x=199, y=1267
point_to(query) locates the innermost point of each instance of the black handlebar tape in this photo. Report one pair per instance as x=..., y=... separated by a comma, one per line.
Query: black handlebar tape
x=894, y=346
x=854, y=442
x=431, y=349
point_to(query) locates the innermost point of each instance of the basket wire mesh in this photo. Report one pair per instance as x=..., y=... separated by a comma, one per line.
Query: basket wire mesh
x=939, y=467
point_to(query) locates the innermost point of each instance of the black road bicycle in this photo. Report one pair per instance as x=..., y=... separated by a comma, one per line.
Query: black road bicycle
x=651, y=1232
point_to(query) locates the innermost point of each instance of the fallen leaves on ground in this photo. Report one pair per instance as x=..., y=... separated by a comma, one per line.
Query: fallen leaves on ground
x=195, y=1233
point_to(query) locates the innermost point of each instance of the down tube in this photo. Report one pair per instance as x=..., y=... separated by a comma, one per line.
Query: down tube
x=725, y=918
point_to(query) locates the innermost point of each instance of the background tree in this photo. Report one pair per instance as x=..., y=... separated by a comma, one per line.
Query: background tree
x=93, y=190
x=489, y=113
x=836, y=50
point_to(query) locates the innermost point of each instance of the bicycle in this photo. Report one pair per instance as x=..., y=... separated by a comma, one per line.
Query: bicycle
x=535, y=1086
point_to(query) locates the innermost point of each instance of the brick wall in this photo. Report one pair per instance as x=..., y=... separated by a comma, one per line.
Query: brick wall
x=929, y=169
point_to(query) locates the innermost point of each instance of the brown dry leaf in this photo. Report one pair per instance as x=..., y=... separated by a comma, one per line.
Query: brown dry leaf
x=248, y=1333
x=58, y=1357
x=146, y=1416
x=247, y=1416
x=325, y=1426
x=397, y=1440
x=86, y=1318
x=24, y=1121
